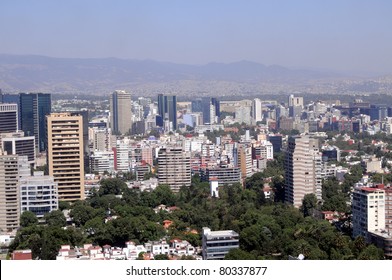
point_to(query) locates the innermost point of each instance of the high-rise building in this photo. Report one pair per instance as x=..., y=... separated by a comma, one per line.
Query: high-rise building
x=14, y=99
x=244, y=152
x=368, y=208
x=65, y=154
x=174, y=168
x=167, y=110
x=33, y=109
x=210, y=107
x=120, y=112
x=276, y=141
x=296, y=101
x=303, y=169
x=18, y=144
x=12, y=169
x=8, y=118
x=38, y=194
x=256, y=110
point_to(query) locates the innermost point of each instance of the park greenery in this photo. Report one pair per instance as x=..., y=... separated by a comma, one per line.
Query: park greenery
x=268, y=229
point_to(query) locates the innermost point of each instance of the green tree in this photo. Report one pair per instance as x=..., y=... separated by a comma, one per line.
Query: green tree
x=238, y=254
x=309, y=204
x=28, y=218
x=161, y=257
x=55, y=218
x=111, y=186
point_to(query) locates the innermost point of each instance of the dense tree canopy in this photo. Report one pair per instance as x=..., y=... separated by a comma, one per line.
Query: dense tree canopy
x=268, y=229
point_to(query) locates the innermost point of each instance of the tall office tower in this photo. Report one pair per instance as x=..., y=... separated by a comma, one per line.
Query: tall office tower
x=244, y=158
x=86, y=148
x=14, y=99
x=197, y=106
x=256, y=110
x=276, y=141
x=242, y=115
x=12, y=169
x=368, y=208
x=33, y=109
x=303, y=169
x=18, y=144
x=100, y=139
x=216, y=107
x=296, y=101
x=38, y=194
x=210, y=107
x=65, y=154
x=167, y=110
x=8, y=118
x=121, y=112
x=174, y=168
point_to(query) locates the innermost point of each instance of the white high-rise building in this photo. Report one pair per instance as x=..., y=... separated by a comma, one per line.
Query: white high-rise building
x=296, y=101
x=256, y=110
x=303, y=169
x=368, y=208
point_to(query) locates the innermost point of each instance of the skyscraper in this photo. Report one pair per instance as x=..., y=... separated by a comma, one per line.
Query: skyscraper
x=12, y=168
x=174, y=168
x=8, y=118
x=256, y=110
x=167, y=110
x=65, y=154
x=303, y=169
x=120, y=112
x=33, y=109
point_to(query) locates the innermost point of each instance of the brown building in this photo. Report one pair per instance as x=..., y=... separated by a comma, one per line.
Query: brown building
x=65, y=154
x=303, y=169
x=174, y=168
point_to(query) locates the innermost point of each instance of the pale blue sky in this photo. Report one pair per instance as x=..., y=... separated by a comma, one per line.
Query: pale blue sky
x=341, y=35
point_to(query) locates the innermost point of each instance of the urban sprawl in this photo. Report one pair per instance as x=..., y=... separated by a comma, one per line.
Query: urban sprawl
x=139, y=178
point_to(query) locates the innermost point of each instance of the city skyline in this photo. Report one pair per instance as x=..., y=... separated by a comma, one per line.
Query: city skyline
x=349, y=36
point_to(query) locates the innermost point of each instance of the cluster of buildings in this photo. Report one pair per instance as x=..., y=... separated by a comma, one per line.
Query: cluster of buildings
x=215, y=246
x=72, y=146
x=174, y=249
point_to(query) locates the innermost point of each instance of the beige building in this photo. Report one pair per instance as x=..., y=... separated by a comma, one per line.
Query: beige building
x=244, y=152
x=65, y=154
x=174, y=168
x=121, y=112
x=303, y=169
x=12, y=168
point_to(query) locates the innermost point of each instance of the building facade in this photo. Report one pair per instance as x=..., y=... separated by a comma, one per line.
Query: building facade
x=216, y=244
x=121, y=112
x=38, y=194
x=8, y=118
x=174, y=168
x=368, y=208
x=303, y=169
x=12, y=169
x=65, y=154
x=33, y=109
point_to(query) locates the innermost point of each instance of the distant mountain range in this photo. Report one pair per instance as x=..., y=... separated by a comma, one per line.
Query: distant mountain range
x=21, y=73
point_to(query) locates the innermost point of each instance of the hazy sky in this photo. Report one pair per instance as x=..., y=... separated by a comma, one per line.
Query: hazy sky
x=342, y=35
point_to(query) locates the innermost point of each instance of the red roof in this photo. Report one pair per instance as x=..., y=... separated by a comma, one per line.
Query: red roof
x=22, y=255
